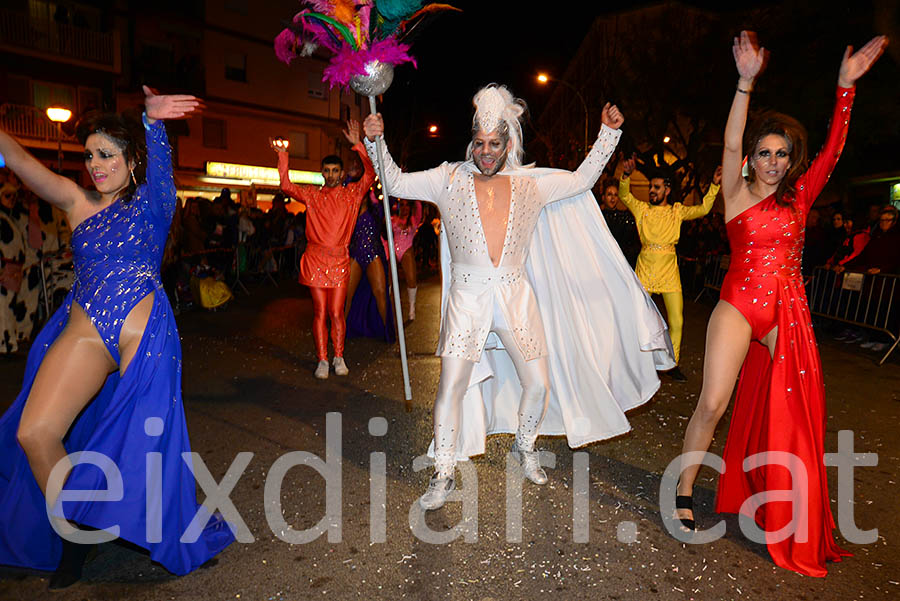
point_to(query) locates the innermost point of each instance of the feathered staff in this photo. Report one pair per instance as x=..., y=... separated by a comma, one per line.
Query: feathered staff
x=357, y=32
x=365, y=37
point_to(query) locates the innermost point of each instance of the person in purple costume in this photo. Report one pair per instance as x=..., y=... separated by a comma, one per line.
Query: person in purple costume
x=367, y=298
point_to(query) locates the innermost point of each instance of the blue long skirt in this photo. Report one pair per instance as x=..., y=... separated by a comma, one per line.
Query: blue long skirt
x=132, y=416
x=363, y=318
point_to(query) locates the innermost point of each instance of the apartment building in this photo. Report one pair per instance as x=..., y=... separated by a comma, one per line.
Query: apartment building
x=97, y=55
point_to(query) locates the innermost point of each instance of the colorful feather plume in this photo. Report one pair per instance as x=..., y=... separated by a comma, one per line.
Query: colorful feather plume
x=355, y=31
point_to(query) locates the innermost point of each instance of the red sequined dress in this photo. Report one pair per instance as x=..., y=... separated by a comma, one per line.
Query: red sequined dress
x=780, y=404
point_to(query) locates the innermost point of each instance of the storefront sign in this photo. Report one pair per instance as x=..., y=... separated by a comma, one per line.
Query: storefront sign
x=260, y=175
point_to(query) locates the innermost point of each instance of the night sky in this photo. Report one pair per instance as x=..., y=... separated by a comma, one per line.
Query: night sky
x=510, y=42
x=502, y=42
x=458, y=53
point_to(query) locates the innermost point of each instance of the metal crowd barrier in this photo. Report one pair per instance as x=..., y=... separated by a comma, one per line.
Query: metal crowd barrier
x=869, y=301
x=714, y=269
x=47, y=303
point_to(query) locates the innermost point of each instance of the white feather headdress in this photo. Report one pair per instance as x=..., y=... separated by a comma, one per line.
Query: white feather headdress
x=496, y=109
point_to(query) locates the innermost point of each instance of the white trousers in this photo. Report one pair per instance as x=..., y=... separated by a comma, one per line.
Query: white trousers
x=534, y=376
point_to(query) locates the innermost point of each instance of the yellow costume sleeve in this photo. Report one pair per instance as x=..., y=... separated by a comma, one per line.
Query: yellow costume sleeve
x=625, y=195
x=697, y=211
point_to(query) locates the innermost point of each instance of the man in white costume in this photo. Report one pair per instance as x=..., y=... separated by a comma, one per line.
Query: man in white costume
x=491, y=206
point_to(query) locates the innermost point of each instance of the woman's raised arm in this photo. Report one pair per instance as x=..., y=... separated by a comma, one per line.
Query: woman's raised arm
x=52, y=187
x=749, y=59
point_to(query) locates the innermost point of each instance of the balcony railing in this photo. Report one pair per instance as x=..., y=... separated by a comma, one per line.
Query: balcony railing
x=19, y=31
x=30, y=123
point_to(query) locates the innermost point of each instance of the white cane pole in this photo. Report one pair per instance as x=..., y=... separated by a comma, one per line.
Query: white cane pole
x=398, y=313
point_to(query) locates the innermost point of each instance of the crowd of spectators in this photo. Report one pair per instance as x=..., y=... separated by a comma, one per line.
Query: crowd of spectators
x=872, y=246
x=35, y=257
x=222, y=239
x=868, y=245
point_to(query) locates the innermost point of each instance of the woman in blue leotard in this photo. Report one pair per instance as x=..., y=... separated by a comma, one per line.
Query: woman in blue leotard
x=104, y=375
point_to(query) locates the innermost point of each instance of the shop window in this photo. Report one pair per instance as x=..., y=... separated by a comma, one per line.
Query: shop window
x=315, y=86
x=236, y=66
x=214, y=133
x=50, y=94
x=298, y=147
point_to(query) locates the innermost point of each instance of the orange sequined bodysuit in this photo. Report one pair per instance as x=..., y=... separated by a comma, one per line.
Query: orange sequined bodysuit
x=780, y=404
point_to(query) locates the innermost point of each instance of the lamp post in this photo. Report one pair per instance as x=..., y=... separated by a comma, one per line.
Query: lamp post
x=59, y=116
x=543, y=78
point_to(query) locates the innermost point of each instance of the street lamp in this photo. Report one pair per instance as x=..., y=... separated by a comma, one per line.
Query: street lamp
x=543, y=78
x=59, y=116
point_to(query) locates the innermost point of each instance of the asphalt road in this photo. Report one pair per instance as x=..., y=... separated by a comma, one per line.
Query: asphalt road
x=249, y=388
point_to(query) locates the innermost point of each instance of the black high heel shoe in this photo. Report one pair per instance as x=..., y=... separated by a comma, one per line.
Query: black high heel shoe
x=70, y=566
x=686, y=502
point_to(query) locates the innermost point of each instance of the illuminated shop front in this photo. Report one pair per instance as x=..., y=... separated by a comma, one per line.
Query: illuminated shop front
x=244, y=181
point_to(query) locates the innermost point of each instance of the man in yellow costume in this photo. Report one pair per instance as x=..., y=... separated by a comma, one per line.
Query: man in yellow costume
x=659, y=227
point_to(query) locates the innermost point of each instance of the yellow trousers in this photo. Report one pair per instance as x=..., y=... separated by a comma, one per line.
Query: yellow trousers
x=674, y=302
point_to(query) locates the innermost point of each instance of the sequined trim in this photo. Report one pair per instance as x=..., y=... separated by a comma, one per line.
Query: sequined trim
x=486, y=276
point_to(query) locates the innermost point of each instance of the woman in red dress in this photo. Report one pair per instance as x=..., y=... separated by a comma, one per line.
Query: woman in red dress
x=762, y=327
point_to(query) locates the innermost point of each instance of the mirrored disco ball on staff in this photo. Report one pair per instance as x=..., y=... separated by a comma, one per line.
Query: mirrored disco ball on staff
x=376, y=81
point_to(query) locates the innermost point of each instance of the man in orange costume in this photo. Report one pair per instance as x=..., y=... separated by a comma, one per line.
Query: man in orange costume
x=331, y=212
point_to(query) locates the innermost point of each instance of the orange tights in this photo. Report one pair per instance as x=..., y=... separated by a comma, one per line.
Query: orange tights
x=329, y=303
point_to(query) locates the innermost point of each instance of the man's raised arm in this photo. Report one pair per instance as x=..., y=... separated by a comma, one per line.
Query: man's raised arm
x=293, y=190
x=698, y=211
x=625, y=195
x=422, y=185
x=564, y=185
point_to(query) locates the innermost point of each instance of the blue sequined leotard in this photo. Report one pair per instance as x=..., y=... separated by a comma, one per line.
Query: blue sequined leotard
x=363, y=319
x=118, y=250
x=366, y=245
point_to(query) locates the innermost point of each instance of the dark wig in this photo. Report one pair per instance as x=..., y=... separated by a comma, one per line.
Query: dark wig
x=127, y=132
x=794, y=133
x=669, y=178
x=332, y=159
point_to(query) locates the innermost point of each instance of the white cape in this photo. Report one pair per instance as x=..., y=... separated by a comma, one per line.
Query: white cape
x=606, y=338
